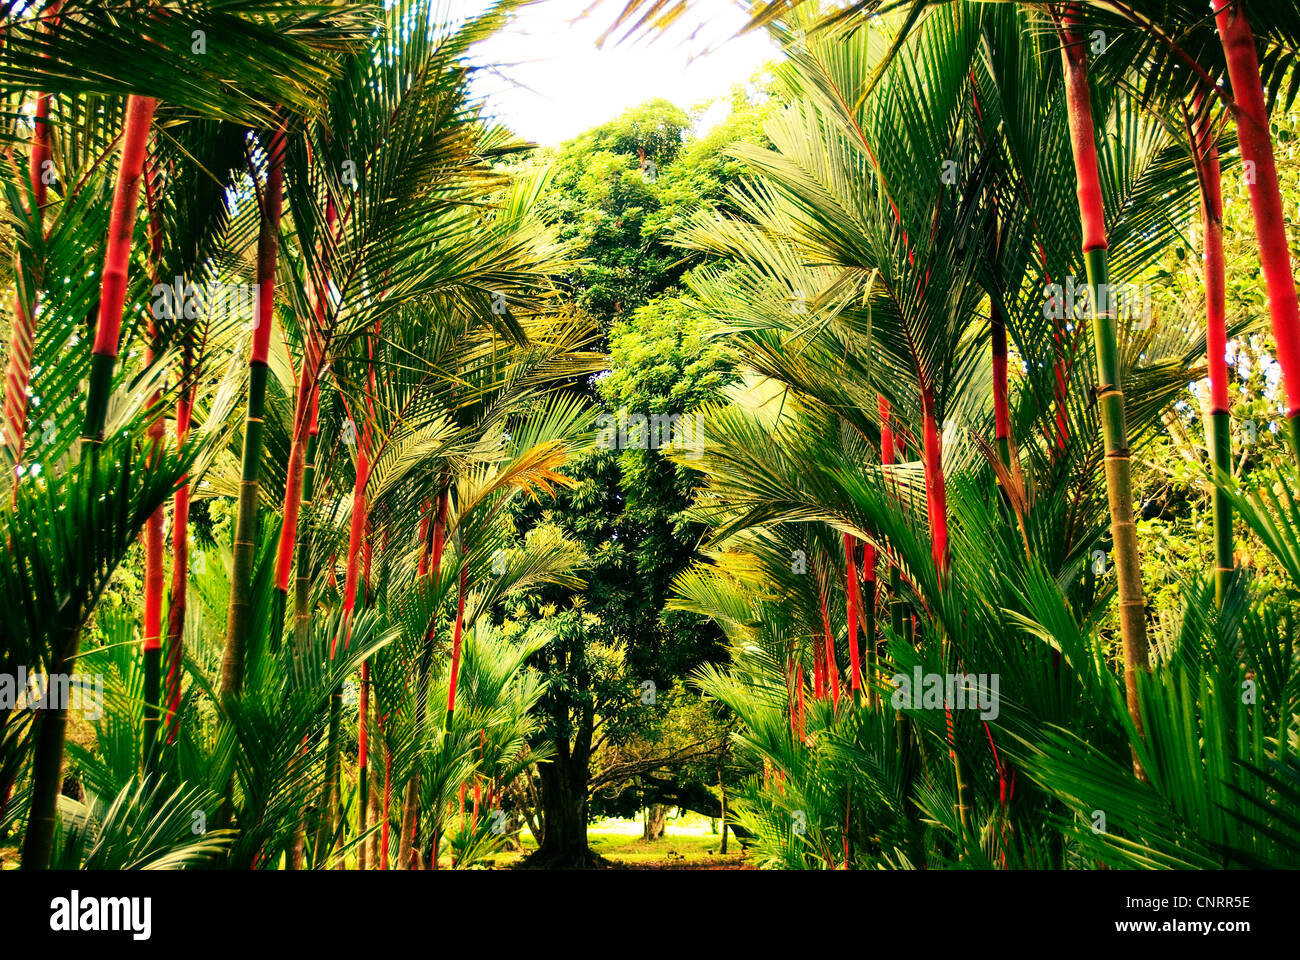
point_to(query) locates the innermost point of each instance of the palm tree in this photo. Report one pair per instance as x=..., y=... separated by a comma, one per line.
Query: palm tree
x=764, y=472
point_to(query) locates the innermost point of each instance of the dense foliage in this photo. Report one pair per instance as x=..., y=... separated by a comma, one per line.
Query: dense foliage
x=902, y=468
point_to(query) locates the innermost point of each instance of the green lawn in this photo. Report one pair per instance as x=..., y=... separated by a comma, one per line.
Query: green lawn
x=688, y=842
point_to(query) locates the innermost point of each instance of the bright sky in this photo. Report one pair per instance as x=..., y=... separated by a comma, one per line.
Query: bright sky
x=556, y=82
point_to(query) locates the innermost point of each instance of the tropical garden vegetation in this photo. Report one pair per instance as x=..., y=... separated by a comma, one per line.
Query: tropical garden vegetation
x=901, y=471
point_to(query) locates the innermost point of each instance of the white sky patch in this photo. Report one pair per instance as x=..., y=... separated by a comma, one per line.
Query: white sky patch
x=553, y=82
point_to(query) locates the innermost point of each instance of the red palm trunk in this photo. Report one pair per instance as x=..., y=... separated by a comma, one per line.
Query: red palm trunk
x=819, y=669
x=1256, y=144
x=1215, y=284
x=363, y=754
x=1216, y=335
x=1110, y=394
x=832, y=669
x=790, y=697
x=246, y=519
x=113, y=282
x=355, y=532
x=886, y=431
x=306, y=399
x=1001, y=394
x=798, y=685
x=854, y=606
x=180, y=560
x=936, y=497
x=22, y=337
x=455, y=644
x=154, y=581
x=440, y=534
x=867, y=613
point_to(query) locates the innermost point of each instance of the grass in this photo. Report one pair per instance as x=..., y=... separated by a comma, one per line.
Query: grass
x=688, y=843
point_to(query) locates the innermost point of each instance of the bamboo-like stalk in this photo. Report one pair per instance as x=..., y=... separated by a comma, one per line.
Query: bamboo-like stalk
x=363, y=768
x=117, y=257
x=430, y=565
x=788, y=671
x=1110, y=395
x=180, y=555
x=936, y=495
x=154, y=579
x=322, y=849
x=22, y=335
x=305, y=427
x=356, y=530
x=51, y=726
x=832, y=671
x=154, y=585
x=819, y=670
x=867, y=605
x=455, y=645
x=854, y=606
x=1256, y=143
x=363, y=717
x=237, y=623
x=1001, y=394
x=388, y=800
x=889, y=447
x=1206, y=152
x=302, y=563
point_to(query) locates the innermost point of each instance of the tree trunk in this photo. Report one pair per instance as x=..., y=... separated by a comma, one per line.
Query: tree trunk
x=854, y=608
x=1110, y=395
x=363, y=770
x=936, y=495
x=455, y=645
x=154, y=578
x=302, y=562
x=22, y=335
x=297, y=488
x=52, y=725
x=324, y=845
x=564, y=805
x=867, y=602
x=237, y=623
x=656, y=818
x=51, y=728
x=831, y=668
x=117, y=258
x=1256, y=142
x=1220, y=442
x=180, y=553
x=430, y=564
x=387, y=813
x=1001, y=395
x=722, y=798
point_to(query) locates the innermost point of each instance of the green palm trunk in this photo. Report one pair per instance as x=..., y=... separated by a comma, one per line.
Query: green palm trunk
x=1220, y=444
x=50, y=733
x=237, y=623
x=1110, y=394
